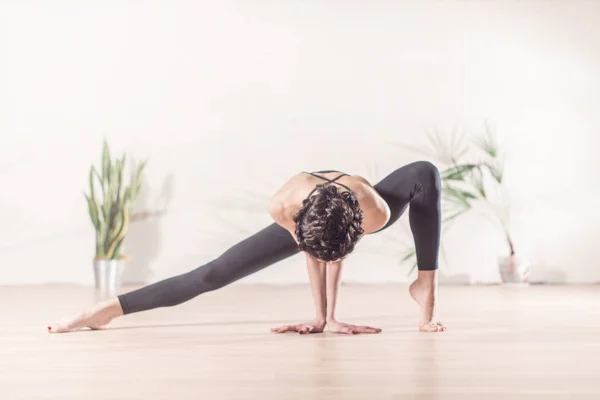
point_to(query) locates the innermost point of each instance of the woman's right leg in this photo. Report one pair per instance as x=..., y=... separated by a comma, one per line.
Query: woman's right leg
x=417, y=187
x=257, y=252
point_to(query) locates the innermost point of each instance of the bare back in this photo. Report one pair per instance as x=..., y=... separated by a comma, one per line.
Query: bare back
x=288, y=200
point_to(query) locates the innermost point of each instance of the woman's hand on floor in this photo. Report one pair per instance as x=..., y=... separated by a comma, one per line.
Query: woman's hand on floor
x=349, y=329
x=307, y=327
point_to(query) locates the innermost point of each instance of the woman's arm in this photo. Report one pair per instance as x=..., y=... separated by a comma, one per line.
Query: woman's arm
x=334, y=276
x=282, y=211
x=317, y=276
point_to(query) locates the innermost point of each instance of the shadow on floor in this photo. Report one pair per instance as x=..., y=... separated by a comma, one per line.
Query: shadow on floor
x=547, y=274
x=254, y=322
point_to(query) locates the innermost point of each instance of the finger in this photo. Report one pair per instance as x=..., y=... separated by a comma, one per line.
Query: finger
x=306, y=329
x=367, y=329
x=348, y=330
x=284, y=328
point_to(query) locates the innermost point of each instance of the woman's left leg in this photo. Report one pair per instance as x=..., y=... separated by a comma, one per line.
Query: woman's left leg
x=418, y=187
x=264, y=248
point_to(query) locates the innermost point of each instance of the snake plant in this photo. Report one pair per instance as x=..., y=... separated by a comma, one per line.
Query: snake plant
x=110, y=203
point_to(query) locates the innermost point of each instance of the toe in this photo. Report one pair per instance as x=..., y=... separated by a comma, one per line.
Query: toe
x=442, y=326
x=430, y=327
x=56, y=328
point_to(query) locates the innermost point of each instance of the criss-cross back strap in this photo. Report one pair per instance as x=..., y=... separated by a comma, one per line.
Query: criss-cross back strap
x=328, y=180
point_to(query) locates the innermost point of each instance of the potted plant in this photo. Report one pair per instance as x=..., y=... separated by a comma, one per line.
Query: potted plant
x=474, y=175
x=110, y=204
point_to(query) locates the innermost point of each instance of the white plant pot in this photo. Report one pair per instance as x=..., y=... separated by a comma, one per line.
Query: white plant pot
x=514, y=269
x=107, y=275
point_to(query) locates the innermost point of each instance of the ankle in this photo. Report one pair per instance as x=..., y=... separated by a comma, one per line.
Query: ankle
x=111, y=308
x=424, y=284
x=427, y=278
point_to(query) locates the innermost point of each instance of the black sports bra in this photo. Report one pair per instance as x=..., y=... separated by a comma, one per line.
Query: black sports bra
x=328, y=180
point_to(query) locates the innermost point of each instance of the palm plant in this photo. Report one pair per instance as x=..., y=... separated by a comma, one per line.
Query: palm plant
x=467, y=179
x=111, y=209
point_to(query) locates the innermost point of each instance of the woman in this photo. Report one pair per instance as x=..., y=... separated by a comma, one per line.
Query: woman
x=323, y=214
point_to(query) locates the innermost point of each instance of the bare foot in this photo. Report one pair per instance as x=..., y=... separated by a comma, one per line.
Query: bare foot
x=424, y=291
x=95, y=318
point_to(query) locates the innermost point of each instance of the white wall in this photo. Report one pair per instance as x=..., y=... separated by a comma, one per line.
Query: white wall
x=203, y=89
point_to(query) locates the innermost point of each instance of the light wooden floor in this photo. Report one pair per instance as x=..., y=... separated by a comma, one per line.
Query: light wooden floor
x=502, y=343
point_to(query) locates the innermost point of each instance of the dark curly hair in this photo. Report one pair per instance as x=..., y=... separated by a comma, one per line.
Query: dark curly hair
x=328, y=225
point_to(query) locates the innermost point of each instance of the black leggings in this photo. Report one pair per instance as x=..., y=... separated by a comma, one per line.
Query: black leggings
x=417, y=184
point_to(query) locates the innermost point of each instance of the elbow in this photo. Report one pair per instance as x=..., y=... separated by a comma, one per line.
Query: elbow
x=277, y=211
x=386, y=214
x=379, y=218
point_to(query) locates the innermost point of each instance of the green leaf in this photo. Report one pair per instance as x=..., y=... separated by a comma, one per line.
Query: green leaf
x=457, y=172
x=118, y=201
x=486, y=146
x=117, y=253
x=477, y=181
x=97, y=209
x=121, y=174
x=410, y=254
x=136, y=183
x=101, y=241
x=452, y=217
x=458, y=147
x=107, y=206
x=120, y=235
x=496, y=171
x=457, y=195
x=105, y=162
x=414, y=266
x=488, y=143
x=93, y=211
x=480, y=188
x=96, y=174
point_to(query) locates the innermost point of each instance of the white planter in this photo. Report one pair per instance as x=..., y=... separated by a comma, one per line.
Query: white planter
x=107, y=275
x=514, y=269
